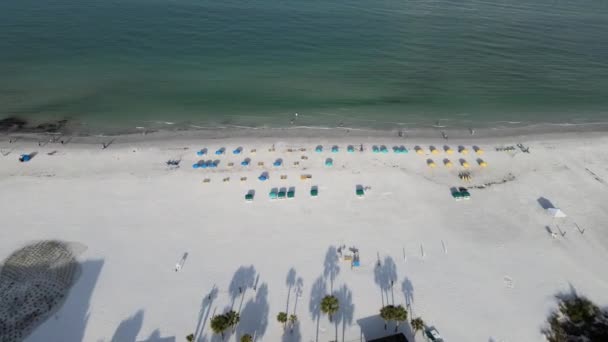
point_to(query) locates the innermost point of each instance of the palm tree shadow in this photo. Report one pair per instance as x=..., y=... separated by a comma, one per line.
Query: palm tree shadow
x=331, y=268
x=243, y=278
x=345, y=315
x=385, y=275
x=128, y=329
x=317, y=292
x=290, y=281
x=203, y=314
x=408, y=292
x=294, y=335
x=254, y=317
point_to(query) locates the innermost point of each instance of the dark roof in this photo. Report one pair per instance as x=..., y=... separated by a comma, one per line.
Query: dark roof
x=393, y=338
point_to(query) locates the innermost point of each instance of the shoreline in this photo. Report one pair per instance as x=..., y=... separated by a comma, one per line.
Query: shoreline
x=530, y=132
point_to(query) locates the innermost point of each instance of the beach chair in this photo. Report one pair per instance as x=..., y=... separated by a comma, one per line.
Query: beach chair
x=253, y=151
x=249, y=197
x=296, y=163
x=260, y=163
x=226, y=180
x=230, y=165
x=206, y=180
x=314, y=191
x=243, y=179
x=465, y=193
x=283, y=176
x=456, y=195
x=282, y=194
x=360, y=192
x=273, y=194
x=291, y=194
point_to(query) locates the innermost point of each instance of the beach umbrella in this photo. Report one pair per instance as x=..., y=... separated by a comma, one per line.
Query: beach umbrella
x=278, y=162
x=464, y=150
x=237, y=151
x=383, y=149
x=245, y=162
x=448, y=163
x=478, y=150
x=263, y=178
x=196, y=166
x=319, y=148
x=375, y=149
x=350, y=149
x=419, y=150
x=483, y=164
x=402, y=149
x=334, y=149
x=465, y=165
x=329, y=162
x=556, y=213
x=434, y=150
x=201, y=152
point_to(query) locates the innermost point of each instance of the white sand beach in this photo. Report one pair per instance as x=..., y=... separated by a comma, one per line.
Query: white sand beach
x=484, y=269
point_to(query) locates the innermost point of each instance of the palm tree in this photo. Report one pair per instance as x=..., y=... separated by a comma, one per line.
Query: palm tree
x=387, y=313
x=293, y=319
x=246, y=338
x=190, y=338
x=330, y=305
x=399, y=315
x=282, y=318
x=417, y=325
x=233, y=319
x=219, y=324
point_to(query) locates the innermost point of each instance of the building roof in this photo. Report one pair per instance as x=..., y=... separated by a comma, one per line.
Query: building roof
x=392, y=338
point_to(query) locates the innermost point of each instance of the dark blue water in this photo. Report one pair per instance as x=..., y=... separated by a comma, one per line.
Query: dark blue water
x=364, y=63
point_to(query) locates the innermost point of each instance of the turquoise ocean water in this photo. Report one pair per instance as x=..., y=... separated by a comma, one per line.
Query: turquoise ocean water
x=362, y=63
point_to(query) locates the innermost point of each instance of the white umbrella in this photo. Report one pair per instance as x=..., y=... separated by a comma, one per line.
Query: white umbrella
x=556, y=212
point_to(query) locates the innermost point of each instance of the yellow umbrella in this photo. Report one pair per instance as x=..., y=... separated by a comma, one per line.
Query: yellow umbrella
x=448, y=163
x=483, y=163
x=449, y=151
x=434, y=150
x=464, y=164
x=431, y=163
x=478, y=150
x=419, y=150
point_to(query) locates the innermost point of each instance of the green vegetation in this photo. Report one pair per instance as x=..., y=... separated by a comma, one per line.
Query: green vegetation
x=330, y=305
x=577, y=319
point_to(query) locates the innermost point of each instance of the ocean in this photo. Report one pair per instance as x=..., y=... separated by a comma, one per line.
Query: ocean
x=116, y=65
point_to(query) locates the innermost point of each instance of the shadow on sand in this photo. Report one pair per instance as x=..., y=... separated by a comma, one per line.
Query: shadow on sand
x=70, y=321
x=254, y=316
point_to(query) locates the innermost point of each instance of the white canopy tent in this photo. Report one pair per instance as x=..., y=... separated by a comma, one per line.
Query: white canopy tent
x=556, y=213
